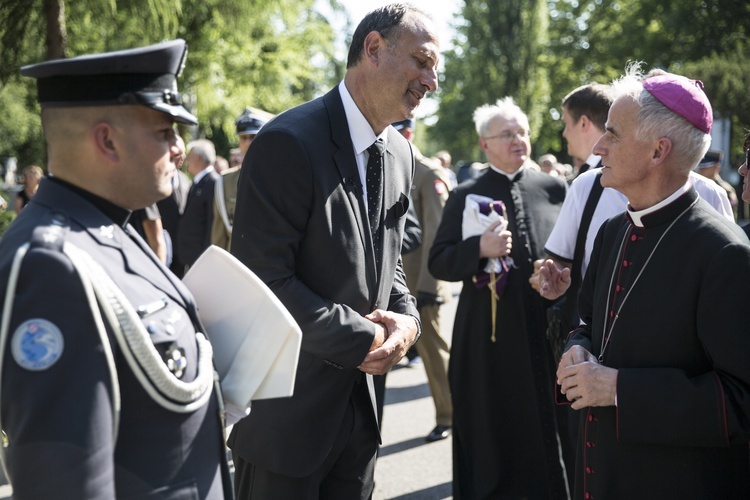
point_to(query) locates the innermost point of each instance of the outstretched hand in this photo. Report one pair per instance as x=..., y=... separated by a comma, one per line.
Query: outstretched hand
x=553, y=281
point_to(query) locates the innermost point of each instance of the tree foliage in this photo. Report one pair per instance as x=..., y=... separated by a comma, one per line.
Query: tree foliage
x=587, y=41
x=270, y=55
x=274, y=55
x=498, y=52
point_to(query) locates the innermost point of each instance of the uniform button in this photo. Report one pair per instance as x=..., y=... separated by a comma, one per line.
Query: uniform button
x=625, y=263
x=618, y=288
x=591, y=418
x=587, y=496
x=611, y=314
x=633, y=238
x=589, y=444
x=589, y=470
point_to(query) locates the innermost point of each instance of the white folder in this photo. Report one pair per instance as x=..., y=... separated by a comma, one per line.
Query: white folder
x=256, y=340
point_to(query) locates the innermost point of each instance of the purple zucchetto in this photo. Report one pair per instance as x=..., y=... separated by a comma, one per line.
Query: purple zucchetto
x=683, y=96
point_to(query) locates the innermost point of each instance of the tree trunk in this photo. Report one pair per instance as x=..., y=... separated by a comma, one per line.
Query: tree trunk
x=57, y=37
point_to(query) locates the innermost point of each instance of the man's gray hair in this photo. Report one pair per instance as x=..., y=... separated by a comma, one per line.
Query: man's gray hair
x=504, y=109
x=204, y=149
x=654, y=120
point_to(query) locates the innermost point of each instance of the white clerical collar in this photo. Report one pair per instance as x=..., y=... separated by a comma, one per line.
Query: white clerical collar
x=593, y=160
x=200, y=175
x=359, y=129
x=512, y=176
x=637, y=216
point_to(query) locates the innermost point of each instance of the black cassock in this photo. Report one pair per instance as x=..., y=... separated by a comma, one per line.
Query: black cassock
x=671, y=298
x=505, y=438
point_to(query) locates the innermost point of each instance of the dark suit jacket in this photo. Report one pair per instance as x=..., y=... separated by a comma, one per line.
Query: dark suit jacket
x=195, y=224
x=301, y=226
x=60, y=419
x=171, y=209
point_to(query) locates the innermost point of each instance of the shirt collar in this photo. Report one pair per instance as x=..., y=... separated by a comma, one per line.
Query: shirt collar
x=360, y=130
x=512, y=176
x=593, y=160
x=115, y=213
x=637, y=216
x=200, y=175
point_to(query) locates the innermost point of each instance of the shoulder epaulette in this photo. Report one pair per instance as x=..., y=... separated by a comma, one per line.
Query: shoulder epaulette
x=51, y=234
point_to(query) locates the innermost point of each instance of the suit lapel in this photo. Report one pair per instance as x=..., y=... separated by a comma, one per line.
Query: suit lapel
x=346, y=163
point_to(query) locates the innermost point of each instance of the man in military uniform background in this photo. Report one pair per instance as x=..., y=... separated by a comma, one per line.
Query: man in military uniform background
x=429, y=192
x=107, y=388
x=248, y=125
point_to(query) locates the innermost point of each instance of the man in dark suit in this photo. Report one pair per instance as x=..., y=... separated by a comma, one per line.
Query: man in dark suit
x=171, y=209
x=658, y=366
x=195, y=224
x=107, y=388
x=302, y=224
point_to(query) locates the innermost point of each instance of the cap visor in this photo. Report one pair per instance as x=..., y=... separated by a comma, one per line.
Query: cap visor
x=179, y=113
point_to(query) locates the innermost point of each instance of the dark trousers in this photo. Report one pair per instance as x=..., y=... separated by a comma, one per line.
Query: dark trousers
x=379, y=384
x=346, y=474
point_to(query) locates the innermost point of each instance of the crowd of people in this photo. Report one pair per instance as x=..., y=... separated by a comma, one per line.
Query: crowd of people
x=633, y=252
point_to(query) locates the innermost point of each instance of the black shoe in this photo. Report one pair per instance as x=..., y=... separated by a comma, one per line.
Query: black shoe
x=438, y=433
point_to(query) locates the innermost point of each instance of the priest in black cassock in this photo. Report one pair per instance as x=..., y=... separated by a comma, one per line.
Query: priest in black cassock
x=660, y=366
x=501, y=373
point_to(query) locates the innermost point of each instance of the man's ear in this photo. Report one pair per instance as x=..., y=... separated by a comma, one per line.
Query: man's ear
x=482, y=145
x=662, y=148
x=104, y=143
x=374, y=44
x=584, y=122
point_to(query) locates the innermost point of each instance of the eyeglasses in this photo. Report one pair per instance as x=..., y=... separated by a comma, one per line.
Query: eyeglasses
x=509, y=135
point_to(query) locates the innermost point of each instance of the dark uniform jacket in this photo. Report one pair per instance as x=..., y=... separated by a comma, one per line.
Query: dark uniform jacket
x=681, y=343
x=59, y=396
x=301, y=225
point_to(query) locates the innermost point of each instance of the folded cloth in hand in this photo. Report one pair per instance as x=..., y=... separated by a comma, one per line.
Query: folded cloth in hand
x=480, y=212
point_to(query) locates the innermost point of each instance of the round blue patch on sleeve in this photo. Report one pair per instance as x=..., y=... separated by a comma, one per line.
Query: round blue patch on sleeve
x=37, y=344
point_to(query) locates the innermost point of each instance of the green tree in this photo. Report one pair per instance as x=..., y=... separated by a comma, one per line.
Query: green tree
x=500, y=51
x=588, y=41
x=271, y=55
x=593, y=40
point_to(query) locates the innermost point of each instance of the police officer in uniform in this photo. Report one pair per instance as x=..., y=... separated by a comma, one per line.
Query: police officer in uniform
x=248, y=125
x=107, y=383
